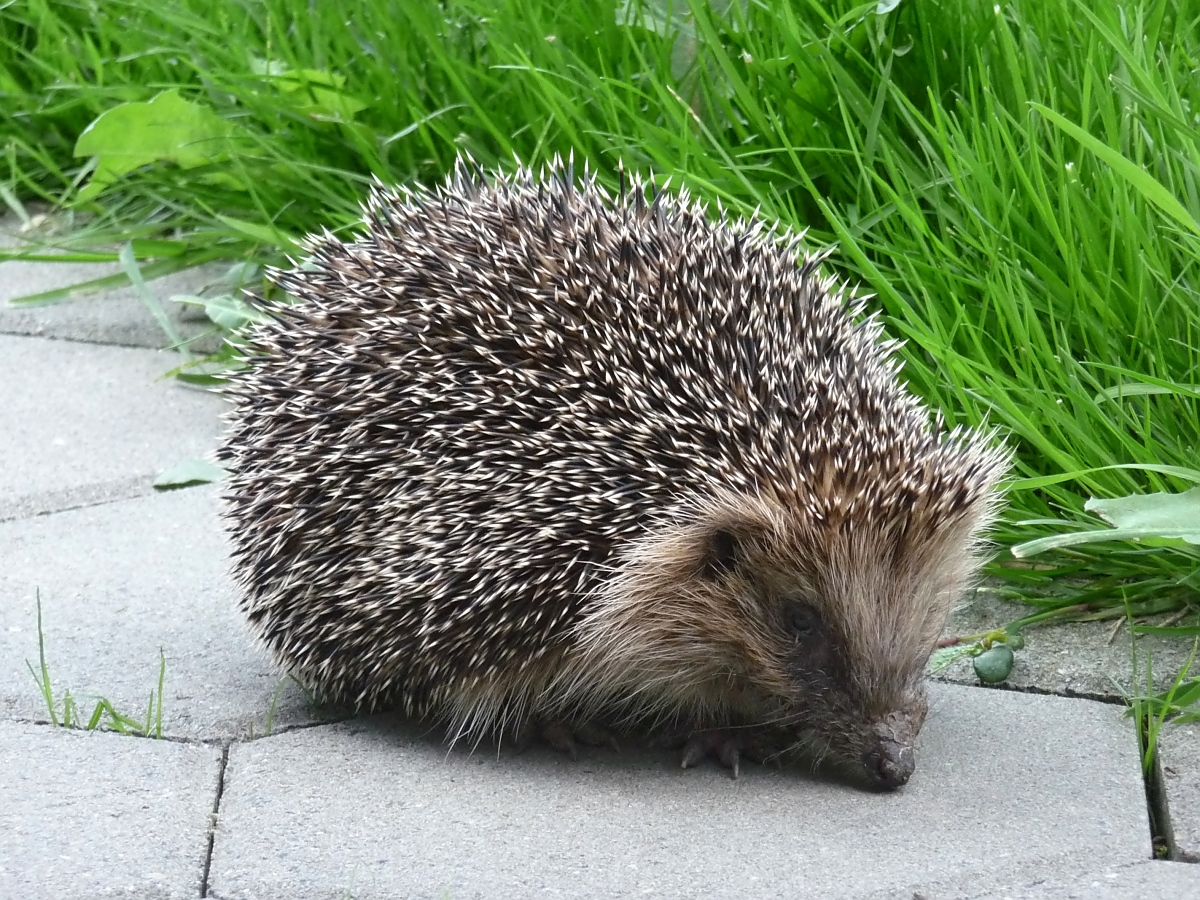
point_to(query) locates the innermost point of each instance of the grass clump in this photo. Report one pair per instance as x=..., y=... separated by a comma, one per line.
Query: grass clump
x=1152, y=713
x=1016, y=182
x=64, y=711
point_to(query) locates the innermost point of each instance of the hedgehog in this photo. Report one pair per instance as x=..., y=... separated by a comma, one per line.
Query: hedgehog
x=527, y=453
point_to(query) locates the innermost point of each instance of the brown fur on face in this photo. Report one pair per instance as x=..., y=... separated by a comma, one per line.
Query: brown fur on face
x=743, y=612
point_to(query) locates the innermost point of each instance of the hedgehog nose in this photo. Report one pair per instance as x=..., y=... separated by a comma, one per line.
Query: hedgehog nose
x=889, y=764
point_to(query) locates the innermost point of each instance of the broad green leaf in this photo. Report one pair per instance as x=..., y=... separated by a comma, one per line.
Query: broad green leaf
x=1097, y=536
x=1168, y=515
x=1137, y=517
x=232, y=313
x=321, y=89
x=188, y=473
x=167, y=128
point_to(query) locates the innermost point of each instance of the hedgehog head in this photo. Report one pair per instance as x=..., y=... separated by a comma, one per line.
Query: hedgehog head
x=812, y=621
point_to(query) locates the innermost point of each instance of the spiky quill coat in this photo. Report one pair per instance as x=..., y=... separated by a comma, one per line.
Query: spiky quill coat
x=450, y=457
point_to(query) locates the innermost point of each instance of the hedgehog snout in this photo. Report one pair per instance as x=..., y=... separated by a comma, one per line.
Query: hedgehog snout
x=889, y=764
x=890, y=757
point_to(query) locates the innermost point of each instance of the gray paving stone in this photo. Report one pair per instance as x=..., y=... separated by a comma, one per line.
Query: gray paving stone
x=1009, y=787
x=114, y=316
x=99, y=815
x=83, y=423
x=117, y=583
x=1179, y=757
x=1153, y=880
x=1079, y=658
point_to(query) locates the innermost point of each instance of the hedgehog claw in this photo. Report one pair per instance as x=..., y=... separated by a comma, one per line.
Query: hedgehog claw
x=723, y=745
x=730, y=746
x=565, y=738
x=593, y=735
x=729, y=757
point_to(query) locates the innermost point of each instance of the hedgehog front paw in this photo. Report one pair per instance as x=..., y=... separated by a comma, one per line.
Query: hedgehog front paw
x=729, y=746
x=566, y=736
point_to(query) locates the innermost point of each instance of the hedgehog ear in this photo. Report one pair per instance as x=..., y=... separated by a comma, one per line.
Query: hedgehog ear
x=722, y=553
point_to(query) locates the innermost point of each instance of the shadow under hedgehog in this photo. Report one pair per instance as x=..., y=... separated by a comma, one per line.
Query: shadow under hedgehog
x=527, y=455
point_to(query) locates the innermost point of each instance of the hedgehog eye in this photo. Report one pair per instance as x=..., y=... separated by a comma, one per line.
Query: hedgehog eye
x=722, y=553
x=813, y=653
x=801, y=621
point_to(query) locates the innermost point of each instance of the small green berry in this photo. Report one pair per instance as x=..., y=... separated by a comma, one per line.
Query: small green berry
x=992, y=666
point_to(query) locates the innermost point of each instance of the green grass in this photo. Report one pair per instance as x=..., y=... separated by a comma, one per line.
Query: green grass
x=64, y=710
x=1018, y=185
x=1152, y=713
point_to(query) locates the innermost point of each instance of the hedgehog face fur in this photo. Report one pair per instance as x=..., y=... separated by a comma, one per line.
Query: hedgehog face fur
x=523, y=451
x=822, y=632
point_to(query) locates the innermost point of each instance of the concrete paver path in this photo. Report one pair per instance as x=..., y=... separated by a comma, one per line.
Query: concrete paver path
x=90, y=814
x=401, y=816
x=1157, y=880
x=85, y=423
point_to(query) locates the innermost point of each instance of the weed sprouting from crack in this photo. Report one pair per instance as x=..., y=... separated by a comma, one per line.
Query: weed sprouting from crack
x=1151, y=713
x=65, y=712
